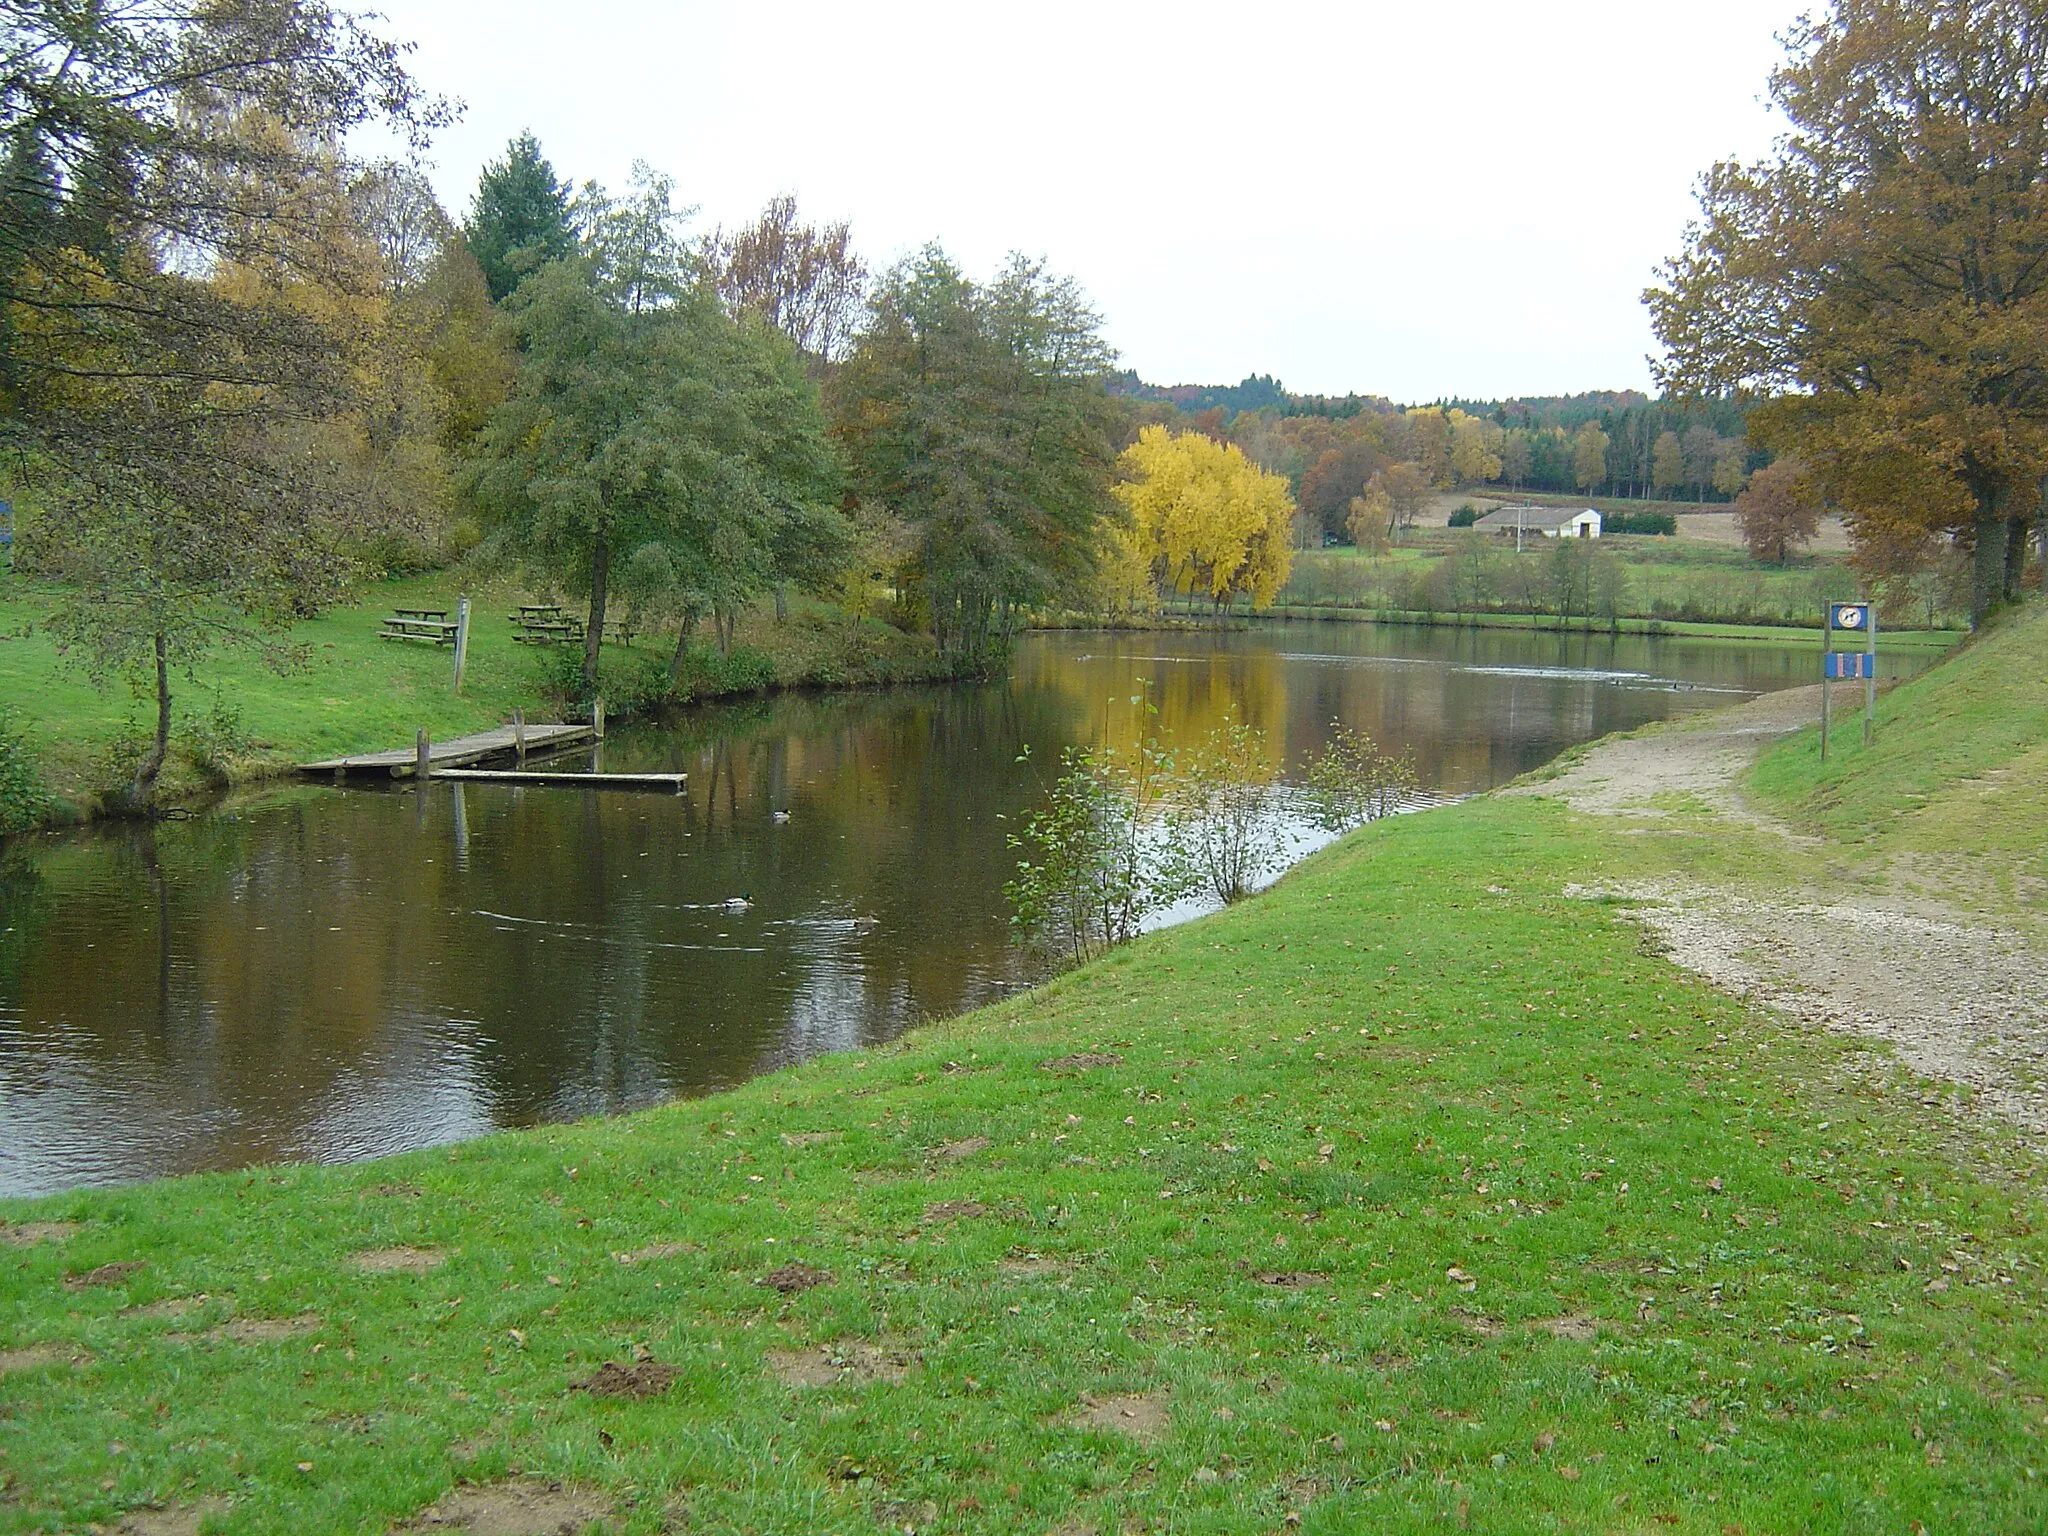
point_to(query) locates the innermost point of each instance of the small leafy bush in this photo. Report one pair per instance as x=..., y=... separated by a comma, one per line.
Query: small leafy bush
x=217, y=740
x=22, y=796
x=1465, y=516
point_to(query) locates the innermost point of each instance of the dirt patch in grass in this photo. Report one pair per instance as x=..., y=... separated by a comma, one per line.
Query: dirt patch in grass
x=395, y=1191
x=397, y=1261
x=1476, y=1322
x=1034, y=1266
x=33, y=1358
x=953, y=1151
x=29, y=1233
x=644, y=1378
x=789, y=1279
x=263, y=1330
x=1575, y=1326
x=170, y=1306
x=656, y=1251
x=1144, y=1416
x=1294, y=1278
x=826, y=1365
x=809, y=1138
x=1081, y=1061
x=181, y=1520
x=106, y=1274
x=954, y=1210
x=523, y=1507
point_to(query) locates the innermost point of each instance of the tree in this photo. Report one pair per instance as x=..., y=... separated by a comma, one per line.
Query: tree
x=1883, y=274
x=519, y=218
x=1371, y=523
x=1334, y=480
x=185, y=309
x=1475, y=449
x=1404, y=488
x=1210, y=519
x=802, y=279
x=1589, y=456
x=978, y=415
x=1667, y=464
x=1517, y=458
x=1731, y=465
x=647, y=429
x=1778, y=510
x=468, y=352
x=1431, y=436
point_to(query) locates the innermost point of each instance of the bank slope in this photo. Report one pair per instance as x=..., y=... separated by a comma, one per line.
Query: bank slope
x=1408, y=1192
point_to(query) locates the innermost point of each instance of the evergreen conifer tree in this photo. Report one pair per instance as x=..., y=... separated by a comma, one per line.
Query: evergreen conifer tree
x=520, y=217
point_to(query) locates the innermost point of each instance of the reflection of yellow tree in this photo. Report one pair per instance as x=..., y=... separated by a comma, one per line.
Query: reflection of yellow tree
x=1203, y=516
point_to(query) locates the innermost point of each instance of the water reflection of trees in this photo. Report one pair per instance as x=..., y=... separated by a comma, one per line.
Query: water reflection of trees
x=325, y=972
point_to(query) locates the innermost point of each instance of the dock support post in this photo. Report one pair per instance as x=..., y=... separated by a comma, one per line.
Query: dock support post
x=422, y=755
x=519, y=733
x=461, y=640
x=597, y=717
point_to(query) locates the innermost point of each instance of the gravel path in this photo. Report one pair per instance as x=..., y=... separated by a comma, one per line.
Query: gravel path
x=1955, y=998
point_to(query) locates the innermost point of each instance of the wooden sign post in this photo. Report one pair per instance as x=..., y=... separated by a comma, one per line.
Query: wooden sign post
x=461, y=641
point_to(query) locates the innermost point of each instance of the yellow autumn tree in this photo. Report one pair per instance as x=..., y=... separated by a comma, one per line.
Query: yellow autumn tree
x=1205, y=518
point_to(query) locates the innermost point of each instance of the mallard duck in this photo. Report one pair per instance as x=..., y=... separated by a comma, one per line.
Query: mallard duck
x=736, y=903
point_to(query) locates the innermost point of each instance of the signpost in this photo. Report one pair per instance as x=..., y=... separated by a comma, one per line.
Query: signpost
x=1854, y=620
x=461, y=641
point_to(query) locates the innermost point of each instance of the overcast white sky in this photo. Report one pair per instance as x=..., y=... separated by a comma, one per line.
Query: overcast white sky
x=1403, y=199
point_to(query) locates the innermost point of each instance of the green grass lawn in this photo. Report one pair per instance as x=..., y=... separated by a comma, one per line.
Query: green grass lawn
x=1410, y=1195
x=352, y=692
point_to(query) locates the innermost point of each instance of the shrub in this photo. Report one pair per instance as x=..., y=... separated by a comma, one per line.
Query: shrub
x=217, y=740
x=1351, y=781
x=1639, y=522
x=1465, y=516
x=22, y=796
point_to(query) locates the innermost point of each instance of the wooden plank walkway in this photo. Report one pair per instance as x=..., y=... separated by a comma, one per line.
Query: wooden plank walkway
x=670, y=783
x=458, y=753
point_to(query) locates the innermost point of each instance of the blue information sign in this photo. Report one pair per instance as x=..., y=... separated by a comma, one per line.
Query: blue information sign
x=1841, y=664
x=1854, y=617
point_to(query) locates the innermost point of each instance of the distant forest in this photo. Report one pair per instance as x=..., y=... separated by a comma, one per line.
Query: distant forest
x=1614, y=443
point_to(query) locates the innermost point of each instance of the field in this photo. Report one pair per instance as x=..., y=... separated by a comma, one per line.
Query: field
x=1651, y=579
x=1418, y=1192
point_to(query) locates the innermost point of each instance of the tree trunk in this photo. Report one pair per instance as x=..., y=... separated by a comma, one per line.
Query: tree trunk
x=1987, y=568
x=144, y=788
x=675, y=665
x=593, y=638
x=2018, y=532
x=781, y=601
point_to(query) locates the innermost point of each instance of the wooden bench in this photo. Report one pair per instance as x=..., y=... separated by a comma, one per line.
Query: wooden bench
x=431, y=625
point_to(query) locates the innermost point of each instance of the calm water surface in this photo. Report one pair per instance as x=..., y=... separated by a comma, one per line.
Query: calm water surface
x=333, y=974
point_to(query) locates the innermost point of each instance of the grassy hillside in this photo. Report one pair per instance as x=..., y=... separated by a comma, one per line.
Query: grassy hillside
x=1410, y=1195
x=1959, y=768
x=351, y=692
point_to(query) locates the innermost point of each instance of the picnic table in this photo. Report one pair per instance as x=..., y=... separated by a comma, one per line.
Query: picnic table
x=545, y=624
x=431, y=625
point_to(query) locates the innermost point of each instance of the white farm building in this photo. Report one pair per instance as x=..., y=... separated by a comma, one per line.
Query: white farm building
x=1551, y=522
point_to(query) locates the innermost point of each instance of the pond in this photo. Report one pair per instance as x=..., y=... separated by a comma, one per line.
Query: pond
x=325, y=973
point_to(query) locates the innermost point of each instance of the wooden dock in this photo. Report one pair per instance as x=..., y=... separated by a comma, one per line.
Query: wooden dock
x=667, y=783
x=459, y=753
